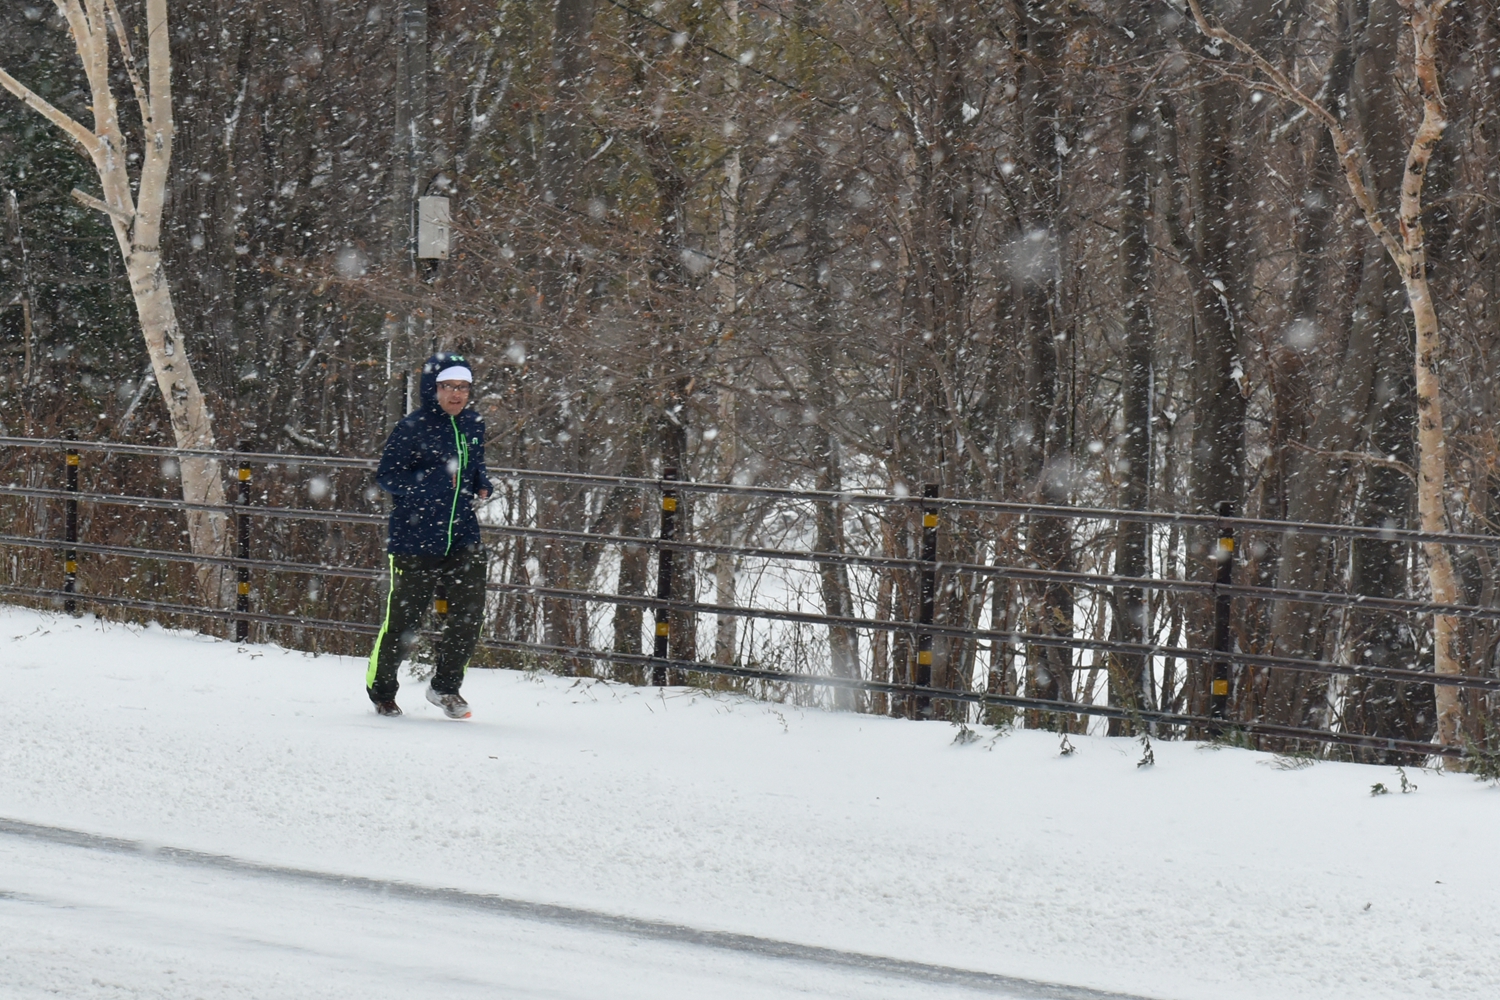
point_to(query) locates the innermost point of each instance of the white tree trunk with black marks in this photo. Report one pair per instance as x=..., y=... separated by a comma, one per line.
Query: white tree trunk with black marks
x=135, y=213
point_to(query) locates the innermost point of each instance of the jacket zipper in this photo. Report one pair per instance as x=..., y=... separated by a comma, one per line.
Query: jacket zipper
x=462, y=447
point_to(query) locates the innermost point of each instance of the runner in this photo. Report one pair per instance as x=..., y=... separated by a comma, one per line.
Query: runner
x=433, y=465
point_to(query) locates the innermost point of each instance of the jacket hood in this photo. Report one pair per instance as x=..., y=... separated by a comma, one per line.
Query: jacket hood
x=430, y=370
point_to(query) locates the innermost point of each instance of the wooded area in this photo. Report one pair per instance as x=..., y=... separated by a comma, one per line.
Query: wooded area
x=1123, y=253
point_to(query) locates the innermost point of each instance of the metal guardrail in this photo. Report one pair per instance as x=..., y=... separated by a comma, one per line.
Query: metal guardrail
x=923, y=631
x=1214, y=521
x=1201, y=588
x=1011, y=637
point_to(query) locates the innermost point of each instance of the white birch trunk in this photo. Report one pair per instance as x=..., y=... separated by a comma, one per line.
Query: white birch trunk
x=136, y=216
x=1432, y=448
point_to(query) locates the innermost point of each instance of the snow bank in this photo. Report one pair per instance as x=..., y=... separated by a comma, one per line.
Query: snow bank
x=1214, y=874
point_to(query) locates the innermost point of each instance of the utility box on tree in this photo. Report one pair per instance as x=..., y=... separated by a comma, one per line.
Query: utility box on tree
x=434, y=228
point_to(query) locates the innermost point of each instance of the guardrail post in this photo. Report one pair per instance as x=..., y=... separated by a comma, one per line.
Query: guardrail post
x=242, y=571
x=922, y=708
x=664, y=579
x=1218, y=702
x=70, y=554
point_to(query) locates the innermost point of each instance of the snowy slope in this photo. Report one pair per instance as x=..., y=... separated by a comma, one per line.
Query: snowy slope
x=1211, y=875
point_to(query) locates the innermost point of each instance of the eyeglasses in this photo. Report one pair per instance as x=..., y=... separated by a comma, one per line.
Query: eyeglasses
x=454, y=386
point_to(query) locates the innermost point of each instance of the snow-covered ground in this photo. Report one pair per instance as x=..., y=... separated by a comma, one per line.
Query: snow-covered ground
x=1214, y=874
x=86, y=922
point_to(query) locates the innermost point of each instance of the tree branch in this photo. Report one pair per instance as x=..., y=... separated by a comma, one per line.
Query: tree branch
x=156, y=156
x=83, y=32
x=1363, y=457
x=159, y=65
x=1349, y=155
x=142, y=99
x=40, y=105
x=1424, y=21
x=89, y=201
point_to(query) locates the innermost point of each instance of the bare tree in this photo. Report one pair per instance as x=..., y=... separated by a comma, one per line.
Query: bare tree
x=134, y=206
x=1408, y=250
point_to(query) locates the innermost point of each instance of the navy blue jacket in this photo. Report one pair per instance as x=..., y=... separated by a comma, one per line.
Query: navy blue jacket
x=433, y=465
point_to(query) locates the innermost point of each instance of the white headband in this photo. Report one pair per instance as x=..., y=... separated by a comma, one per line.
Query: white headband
x=458, y=373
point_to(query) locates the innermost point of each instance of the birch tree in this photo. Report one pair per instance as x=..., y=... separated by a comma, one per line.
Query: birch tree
x=1407, y=248
x=134, y=207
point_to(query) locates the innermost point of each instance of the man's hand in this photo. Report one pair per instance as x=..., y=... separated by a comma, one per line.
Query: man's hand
x=484, y=494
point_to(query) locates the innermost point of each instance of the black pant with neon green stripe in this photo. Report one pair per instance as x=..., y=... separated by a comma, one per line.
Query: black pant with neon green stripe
x=414, y=579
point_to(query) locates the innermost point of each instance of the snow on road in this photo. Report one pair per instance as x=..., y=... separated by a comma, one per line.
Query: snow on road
x=82, y=925
x=1211, y=875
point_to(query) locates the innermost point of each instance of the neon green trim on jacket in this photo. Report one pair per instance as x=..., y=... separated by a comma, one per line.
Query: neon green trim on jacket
x=380, y=636
x=461, y=445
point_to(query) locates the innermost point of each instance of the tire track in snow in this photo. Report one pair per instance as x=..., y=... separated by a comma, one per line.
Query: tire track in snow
x=575, y=917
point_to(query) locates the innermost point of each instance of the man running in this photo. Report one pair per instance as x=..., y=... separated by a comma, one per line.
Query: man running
x=433, y=465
